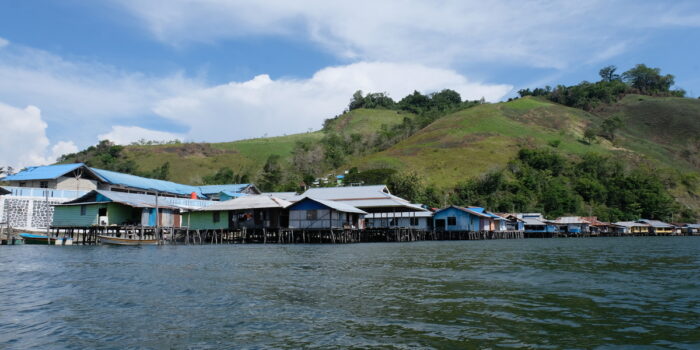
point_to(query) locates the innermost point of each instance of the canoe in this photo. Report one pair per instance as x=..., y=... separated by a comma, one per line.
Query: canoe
x=33, y=238
x=126, y=241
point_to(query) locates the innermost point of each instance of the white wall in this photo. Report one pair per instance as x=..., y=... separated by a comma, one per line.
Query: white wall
x=70, y=183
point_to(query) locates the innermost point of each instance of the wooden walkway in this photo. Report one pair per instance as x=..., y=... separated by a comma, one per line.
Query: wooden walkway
x=170, y=235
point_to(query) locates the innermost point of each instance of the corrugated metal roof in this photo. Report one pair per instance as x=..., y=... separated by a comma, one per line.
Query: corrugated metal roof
x=570, y=220
x=692, y=225
x=412, y=214
x=333, y=205
x=288, y=196
x=630, y=224
x=138, y=200
x=376, y=196
x=348, y=192
x=214, y=189
x=655, y=223
x=134, y=181
x=48, y=172
x=249, y=202
x=533, y=221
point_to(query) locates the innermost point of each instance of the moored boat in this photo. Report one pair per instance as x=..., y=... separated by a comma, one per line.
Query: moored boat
x=33, y=238
x=126, y=241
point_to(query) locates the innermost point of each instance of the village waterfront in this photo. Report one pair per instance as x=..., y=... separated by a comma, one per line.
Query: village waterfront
x=626, y=292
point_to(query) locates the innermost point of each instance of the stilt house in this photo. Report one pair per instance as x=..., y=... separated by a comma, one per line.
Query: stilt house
x=108, y=208
x=249, y=212
x=454, y=218
x=312, y=213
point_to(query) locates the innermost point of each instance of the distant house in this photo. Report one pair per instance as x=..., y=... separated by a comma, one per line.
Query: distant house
x=312, y=213
x=419, y=220
x=454, y=218
x=535, y=225
x=631, y=228
x=657, y=227
x=596, y=226
x=371, y=199
x=513, y=222
x=109, y=208
x=690, y=229
x=572, y=224
x=79, y=177
x=249, y=212
x=76, y=177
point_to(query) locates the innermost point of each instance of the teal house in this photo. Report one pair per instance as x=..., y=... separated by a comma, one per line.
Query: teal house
x=112, y=208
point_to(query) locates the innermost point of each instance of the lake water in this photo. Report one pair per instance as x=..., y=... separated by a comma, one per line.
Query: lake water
x=535, y=293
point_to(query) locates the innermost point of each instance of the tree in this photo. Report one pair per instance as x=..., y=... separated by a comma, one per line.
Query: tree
x=271, y=177
x=610, y=126
x=589, y=134
x=415, y=102
x=224, y=176
x=408, y=185
x=161, y=172
x=357, y=100
x=648, y=80
x=607, y=74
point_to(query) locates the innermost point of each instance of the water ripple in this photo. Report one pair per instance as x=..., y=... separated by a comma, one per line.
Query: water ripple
x=542, y=294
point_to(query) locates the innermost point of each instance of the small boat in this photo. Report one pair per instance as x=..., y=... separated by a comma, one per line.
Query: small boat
x=126, y=241
x=33, y=238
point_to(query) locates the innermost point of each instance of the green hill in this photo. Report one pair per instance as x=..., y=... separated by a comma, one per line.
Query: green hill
x=660, y=133
x=663, y=128
x=190, y=162
x=476, y=140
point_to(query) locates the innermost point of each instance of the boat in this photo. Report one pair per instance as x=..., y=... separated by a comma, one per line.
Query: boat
x=126, y=241
x=34, y=238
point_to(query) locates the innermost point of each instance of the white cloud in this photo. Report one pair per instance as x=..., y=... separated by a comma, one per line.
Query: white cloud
x=264, y=106
x=89, y=94
x=536, y=33
x=3, y=42
x=23, y=141
x=125, y=135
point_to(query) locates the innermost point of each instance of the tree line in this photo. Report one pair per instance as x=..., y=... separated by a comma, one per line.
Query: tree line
x=610, y=88
x=543, y=180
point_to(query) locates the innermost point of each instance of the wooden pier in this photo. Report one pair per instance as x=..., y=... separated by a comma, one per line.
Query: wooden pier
x=183, y=235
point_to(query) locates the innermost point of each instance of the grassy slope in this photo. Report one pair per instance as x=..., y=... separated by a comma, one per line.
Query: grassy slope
x=473, y=141
x=666, y=130
x=663, y=128
x=190, y=162
x=365, y=121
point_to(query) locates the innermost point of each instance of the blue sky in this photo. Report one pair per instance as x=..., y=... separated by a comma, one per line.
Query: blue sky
x=73, y=72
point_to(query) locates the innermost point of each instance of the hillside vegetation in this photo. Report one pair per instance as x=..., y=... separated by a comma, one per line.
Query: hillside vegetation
x=437, y=148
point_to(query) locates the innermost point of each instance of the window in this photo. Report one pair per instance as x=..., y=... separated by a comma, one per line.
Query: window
x=83, y=210
x=102, y=212
x=394, y=222
x=311, y=215
x=43, y=184
x=451, y=221
x=22, y=184
x=216, y=216
x=414, y=221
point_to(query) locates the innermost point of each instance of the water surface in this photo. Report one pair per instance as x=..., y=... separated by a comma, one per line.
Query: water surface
x=536, y=293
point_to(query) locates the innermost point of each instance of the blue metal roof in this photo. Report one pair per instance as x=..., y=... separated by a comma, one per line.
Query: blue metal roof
x=116, y=178
x=47, y=172
x=214, y=189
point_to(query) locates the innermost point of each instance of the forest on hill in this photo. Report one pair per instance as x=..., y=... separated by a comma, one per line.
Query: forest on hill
x=622, y=147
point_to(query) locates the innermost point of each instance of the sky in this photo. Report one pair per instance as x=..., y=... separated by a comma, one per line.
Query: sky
x=74, y=72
